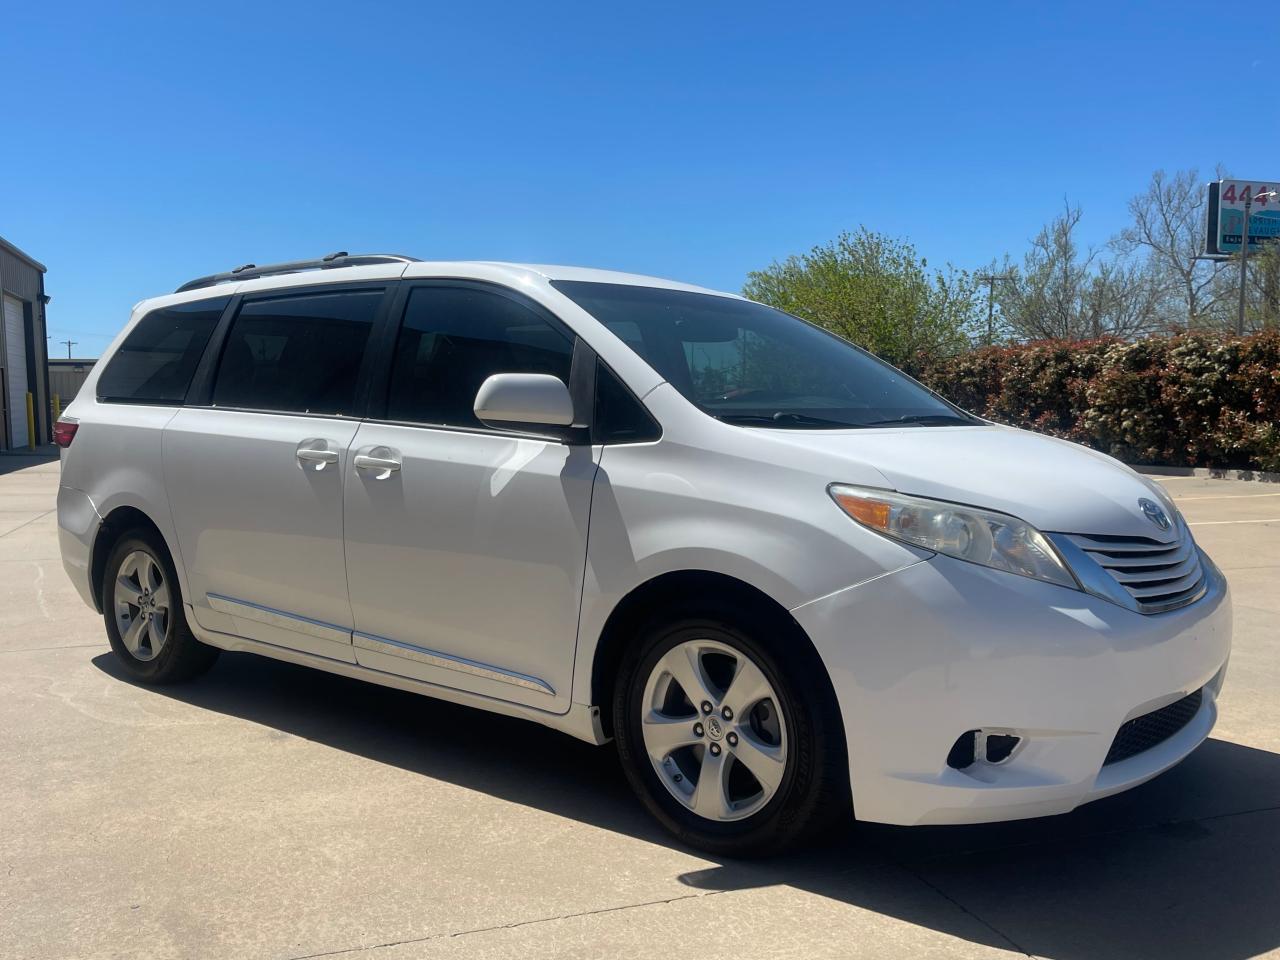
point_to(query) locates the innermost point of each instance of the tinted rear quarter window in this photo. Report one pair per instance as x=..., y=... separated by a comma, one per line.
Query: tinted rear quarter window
x=297, y=354
x=158, y=357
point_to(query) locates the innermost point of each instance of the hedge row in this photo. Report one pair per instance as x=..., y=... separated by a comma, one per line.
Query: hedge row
x=1188, y=400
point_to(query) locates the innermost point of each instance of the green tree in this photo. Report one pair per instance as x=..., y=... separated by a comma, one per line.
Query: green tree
x=877, y=292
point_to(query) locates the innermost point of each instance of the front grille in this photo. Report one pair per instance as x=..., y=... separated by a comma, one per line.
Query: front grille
x=1157, y=576
x=1144, y=732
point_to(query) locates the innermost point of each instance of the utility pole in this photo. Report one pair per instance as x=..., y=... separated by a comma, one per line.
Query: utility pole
x=990, y=280
x=70, y=344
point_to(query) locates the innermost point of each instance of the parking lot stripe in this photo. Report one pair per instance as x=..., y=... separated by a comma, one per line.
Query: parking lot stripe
x=1227, y=496
x=1216, y=523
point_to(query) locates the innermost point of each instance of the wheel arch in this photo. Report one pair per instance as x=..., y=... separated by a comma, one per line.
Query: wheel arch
x=682, y=592
x=115, y=523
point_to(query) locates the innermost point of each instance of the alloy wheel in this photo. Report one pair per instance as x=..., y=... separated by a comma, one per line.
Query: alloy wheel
x=714, y=730
x=142, y=605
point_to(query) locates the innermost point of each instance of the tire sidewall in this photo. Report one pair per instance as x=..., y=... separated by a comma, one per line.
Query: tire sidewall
x=782, y=817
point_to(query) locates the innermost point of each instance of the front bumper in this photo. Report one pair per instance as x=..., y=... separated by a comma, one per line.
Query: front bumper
x=920, y=656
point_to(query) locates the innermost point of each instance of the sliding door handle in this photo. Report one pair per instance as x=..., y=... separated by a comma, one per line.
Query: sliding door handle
x=318, y=456
x=365, y=462
x=383, y=460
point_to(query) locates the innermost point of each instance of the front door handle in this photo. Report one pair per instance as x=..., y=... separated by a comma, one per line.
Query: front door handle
x=384, y=460
x=317, y=452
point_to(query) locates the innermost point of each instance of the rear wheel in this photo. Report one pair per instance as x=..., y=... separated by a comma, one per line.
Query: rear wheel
x=145, y=620
x=720, y=744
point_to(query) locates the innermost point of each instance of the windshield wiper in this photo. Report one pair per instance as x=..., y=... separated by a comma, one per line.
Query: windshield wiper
x=927, y=420
x=784, y=418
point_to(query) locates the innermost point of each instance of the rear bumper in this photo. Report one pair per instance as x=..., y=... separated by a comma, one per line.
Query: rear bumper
x=922, y=655
x=78, y=525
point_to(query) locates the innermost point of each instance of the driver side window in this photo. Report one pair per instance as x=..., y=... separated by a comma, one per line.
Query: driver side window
x=453, y=339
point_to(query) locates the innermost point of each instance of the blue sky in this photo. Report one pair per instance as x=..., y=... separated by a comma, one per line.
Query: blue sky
x=144, y=145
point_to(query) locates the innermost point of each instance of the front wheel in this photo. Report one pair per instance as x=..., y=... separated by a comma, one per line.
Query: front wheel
x=142, y=607
x=720, y=744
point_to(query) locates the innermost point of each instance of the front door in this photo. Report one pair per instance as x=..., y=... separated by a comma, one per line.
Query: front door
x=465, y=545
x=255, y=477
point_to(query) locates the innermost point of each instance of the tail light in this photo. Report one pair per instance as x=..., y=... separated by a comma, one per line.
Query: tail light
x=64, y=431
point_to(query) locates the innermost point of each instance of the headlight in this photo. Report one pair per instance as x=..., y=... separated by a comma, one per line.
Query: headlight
x=980, y=536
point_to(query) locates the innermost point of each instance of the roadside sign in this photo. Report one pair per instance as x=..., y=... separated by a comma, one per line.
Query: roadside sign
x=1225, y=222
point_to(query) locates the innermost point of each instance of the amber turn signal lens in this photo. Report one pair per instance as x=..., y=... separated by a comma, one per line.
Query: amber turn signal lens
x=873, y=513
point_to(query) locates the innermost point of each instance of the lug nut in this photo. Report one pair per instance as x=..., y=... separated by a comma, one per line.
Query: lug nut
x=727, y=713
x=733, y=739
x=697, y=729
x=715, y=749
x=706, y=706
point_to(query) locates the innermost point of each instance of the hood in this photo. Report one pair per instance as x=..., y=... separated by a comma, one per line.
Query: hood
x=1055, y=485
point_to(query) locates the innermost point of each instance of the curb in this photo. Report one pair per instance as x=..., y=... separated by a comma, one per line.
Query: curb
x=1211, y=473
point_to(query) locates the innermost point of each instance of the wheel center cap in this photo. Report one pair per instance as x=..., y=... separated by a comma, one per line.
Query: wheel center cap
x=714, y=729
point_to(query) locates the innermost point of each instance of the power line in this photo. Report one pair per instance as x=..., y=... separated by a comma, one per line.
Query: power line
x=70, y=344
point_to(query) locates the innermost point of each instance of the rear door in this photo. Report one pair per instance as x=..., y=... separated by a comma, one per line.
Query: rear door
x=465, y=544
x=255, y=466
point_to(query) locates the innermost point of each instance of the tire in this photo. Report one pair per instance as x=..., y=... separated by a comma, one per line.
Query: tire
x=139, y=580
x=793, y=735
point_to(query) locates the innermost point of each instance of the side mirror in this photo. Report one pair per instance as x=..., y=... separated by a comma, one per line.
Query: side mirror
x=529, y=400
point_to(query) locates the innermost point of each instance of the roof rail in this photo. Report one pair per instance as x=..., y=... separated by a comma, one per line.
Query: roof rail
x=333, y=261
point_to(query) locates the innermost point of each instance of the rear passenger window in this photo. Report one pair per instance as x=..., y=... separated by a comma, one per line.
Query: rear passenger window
x=453, y=339
x=158, y=357
x=298, y=354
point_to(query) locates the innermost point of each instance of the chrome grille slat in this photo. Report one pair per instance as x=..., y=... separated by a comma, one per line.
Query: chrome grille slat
x=1148, y=572
x=1153, y=576
x=1145, y=559
x=1124, y=544
x=1163, y=589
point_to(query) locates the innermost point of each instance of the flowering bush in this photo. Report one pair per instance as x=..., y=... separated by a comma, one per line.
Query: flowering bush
x=1188, y=400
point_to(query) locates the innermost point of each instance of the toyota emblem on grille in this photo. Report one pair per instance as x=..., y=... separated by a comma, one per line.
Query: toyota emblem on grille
x=1154, y=513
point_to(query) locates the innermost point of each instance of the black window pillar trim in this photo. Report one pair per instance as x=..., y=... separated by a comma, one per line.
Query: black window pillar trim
x=200, y=390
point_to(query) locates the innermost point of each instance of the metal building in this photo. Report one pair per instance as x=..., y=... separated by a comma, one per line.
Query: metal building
x=23, y=350
x=66, y=378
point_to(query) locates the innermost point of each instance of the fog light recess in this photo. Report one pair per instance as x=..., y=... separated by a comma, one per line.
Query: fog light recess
x=981, y=746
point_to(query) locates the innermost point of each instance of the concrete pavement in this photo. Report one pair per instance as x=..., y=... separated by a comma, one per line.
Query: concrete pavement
x=271, y=811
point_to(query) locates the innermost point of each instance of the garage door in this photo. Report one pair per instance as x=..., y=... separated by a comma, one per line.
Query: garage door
x=15, y=343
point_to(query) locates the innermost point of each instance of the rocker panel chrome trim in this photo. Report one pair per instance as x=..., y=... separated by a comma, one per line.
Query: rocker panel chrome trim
x=278, y=618
x=408, y=651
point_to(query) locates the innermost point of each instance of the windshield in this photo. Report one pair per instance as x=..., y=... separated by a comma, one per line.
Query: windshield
x=745, y=363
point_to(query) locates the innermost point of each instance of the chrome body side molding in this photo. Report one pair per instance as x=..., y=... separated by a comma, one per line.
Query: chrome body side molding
x=245, y=610
x=408, y=651
x=581, y=720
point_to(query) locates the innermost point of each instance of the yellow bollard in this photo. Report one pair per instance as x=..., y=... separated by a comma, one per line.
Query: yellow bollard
x=31, y=421
x=57, y=408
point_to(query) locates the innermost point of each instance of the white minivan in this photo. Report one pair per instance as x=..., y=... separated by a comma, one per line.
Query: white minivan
x=788, y=581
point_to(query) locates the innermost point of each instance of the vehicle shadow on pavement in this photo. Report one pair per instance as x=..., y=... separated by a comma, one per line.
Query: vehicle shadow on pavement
x=11, y=462
x=1185, y=866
